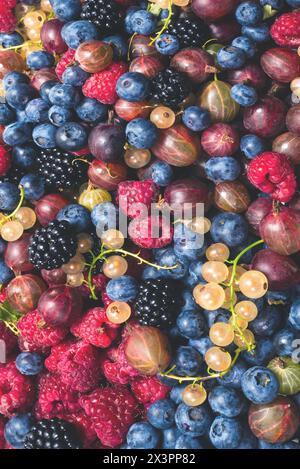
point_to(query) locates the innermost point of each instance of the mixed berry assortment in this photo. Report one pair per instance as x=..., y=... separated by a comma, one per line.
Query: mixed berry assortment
x=124, y=321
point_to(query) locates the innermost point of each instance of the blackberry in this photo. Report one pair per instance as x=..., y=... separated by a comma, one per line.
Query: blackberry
x=170, y=87
x=52, y=246
x=191, y=32
x=52, y=434
x=103, y=13
x=157, y=302
x=14, y=175
x=59, y=168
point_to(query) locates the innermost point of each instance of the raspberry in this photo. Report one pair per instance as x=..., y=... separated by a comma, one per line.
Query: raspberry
x=84, y=425
x=5, y=160
x=95, y=328
x=105, y=299
x=16, y=390
x=8, y=337
x=113, y=410
x=134, y=196
x=116, y=368
x=102, y=85
x=152, y=232
x=57, y=352
x=8, y=4
x=66, y=60
x=149, y=389
x=7, y=21
x=78, y=365
x=2, y=439
x=36, y=335
x=285, y=30
x=272, y=173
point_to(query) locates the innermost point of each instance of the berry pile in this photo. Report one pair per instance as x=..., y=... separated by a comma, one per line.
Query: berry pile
x=149, y=224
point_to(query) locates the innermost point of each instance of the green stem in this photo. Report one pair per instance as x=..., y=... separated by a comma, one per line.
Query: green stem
x=12, y=214
x=165, y=25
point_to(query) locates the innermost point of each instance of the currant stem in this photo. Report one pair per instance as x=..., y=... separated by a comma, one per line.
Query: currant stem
x=166, y=23
x=12, y=214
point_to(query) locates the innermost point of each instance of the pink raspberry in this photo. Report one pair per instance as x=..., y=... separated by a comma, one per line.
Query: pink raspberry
x=9, y=338
x=36, y=335
x=112, y=410
x=5, y=160
x=135, y=197
x=84, y=425
x=152, y=232
x=95, y=328
x=116, y=368
x=102, y=85
x=149, y=389
x=285, y=30
x=57, y=351
x=66, y=60
x=16, y=390
x=8, y=21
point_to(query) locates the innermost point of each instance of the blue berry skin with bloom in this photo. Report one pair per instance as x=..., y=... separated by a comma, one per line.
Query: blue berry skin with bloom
x=39, y=59
x=269, y=320
x=17, y=133
x=37, y=110
x=294, y=314
x=22, y=117
x=176, y=393
x=249, y=13
x=258, y=33
x=262, y=354
x=19, y=95
x=45, y=90
x=133, y=86
x=44, y=135
x=231, y=58
x=248, y=440
x=143, y=22
x=29, y=364
x=186, y=442
x=64, y=95
x=283, y=341
x=161, y=414
x=152, y=272
x=16, y=429
x=226, y=401
x=167, y=44
x=194, y=276
x=66, y=10
x=196, y=118
x=191, y=324
x=106, y=215
x=277, y=4
x=293, y=3
x=218, y=315
x=260, y=385
x=92, y=111
x=251, y=145
x=160, y=172
x=10, y=39
x=201, y=345
x=123, y=288
x=142, y=435
x=222, y=168
x=127, y=20
x=77, y=215
x=5, y=273
x=71, y=136
x=9, y=196
x=118, y=44
x=7, y=115
x=74, y=76
x=77, y=32
x=234, y=376
x=169, y=437
x=141, y=133
x=168, y=258
x=244, y=95
x=34, y=186
x=188, y=361
x=229, y=228
x=193, y=421
x=245, y=44
x=225, y=433
x=59, y=115
x=11, y=79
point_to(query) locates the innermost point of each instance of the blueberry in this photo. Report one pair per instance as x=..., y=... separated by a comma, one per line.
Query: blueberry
x=152, y=272
x=293, y=3
x=44, y=135
x=231, y=58
x=278, y=297
x=260, y=385
x=142, y=435
x=196, y=118
x=218, y=315
x=64, y=95
x=191, y=324
x=16, y=429
x=118, y=44
x=141, y=133
x=127, y=20
x=226, y=401
x=24, y=156
x=133, y=86
x=71, y=136
x=160, y=172
x=37, y=110
x=193, y=421
x=234, y=376
x=268, y=321
x=294, y=314
x=188, y=301
x=258, y=33
x=167, y=44
x=45, y=89
x=91, y=111
x=12, y=79
x=225, y=433
x=262, y=354
x=251, y=145
x=17, y=133
x=9, y=196
x=169, y=438
x=248, y=440
x=195, y=274
x=5, y=273
x=168, y=259
x=249, y=13
x=185, y=237
x=74, y=76
x=22, y=117
x=7, y=115
x=18, y=95
x=11, y=39
x=39, y=59
x=59, y=115
x=277, y=4
x=34, y=186
x=245, y=44
x=161, y=414
x=186, y=442
x=29, y=364
x=284, y=341
x=188, y=361
x=123, y=288
x=229, y=228
x=143, y=22
x=243, y=94
x=77, y=32
x=222, y=168
x=201, y=345
x=66, y=10
x=78, y=216
x=176, y=393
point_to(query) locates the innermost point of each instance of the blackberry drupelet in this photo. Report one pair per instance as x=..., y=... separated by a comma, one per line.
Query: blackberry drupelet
x=59, y=168
x=170, y=87
x=14, y=175
x=157, y=302
x=191, y=32
x=52, y=434
x=52, y=246
x=103, y=13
